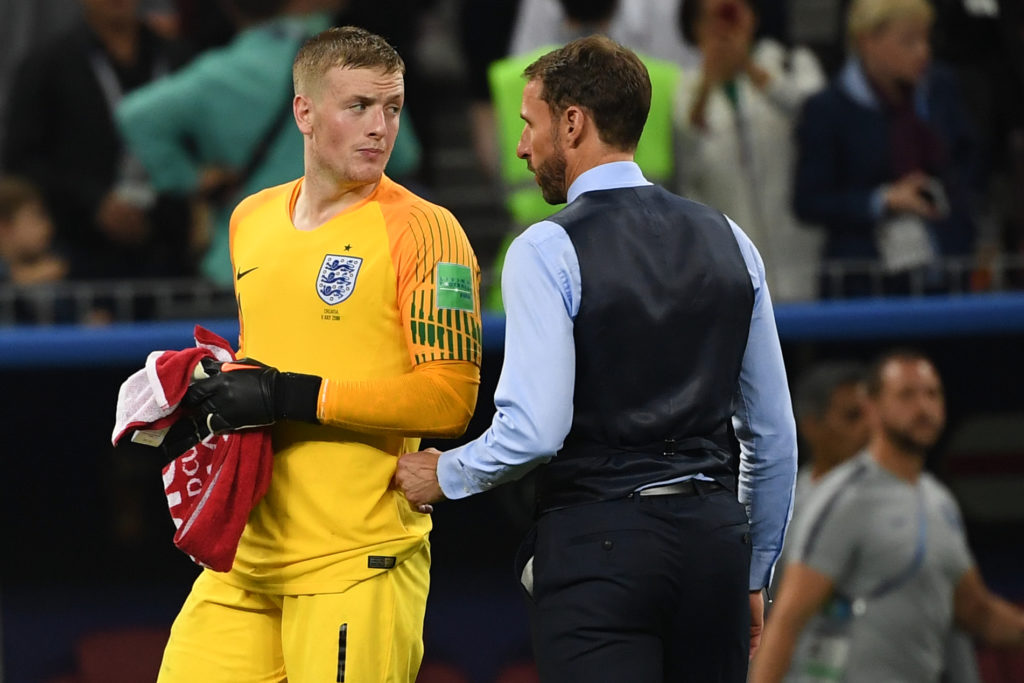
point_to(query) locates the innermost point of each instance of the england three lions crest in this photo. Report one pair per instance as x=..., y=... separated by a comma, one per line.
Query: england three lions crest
x=337, y=278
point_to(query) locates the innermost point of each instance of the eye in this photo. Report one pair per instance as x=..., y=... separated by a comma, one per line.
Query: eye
x=358, y=106
x=394, y=109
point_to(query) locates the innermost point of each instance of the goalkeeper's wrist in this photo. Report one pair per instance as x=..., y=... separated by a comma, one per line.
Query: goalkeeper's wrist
x=296, y=397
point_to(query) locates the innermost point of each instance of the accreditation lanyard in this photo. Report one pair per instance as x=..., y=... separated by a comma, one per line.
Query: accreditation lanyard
x=822, y=656
x=916, y=561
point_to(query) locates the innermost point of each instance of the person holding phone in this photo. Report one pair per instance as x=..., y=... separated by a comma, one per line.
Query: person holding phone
x=886, y=160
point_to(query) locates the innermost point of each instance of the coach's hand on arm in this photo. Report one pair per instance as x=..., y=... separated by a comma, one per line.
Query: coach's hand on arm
x=802, y=593
x=416, y=477
x=246, y=393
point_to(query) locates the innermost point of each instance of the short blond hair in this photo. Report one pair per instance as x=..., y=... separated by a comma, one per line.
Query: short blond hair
x=348, y=47
x=868, y=16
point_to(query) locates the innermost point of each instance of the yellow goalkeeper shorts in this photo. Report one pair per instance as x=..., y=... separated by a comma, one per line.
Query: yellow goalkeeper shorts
x=371, y=632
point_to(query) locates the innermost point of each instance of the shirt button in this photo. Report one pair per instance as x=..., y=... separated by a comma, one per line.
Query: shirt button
x=607, y=545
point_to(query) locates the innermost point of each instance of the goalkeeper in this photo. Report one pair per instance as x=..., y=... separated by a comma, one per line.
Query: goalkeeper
x=360, y=302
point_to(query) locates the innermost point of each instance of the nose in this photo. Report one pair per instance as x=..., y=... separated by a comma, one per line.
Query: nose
x=523, y=148
x=377, y=122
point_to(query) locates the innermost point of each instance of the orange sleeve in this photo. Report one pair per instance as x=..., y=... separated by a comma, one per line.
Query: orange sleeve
x=438, y=285
x=435, y=399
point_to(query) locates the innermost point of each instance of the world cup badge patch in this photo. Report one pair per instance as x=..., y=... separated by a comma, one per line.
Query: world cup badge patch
x=337, y=278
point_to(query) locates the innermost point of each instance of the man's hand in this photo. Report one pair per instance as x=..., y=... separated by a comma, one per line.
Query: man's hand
x=907, y=195
x=756, y=620
x=236, y=395
x=416, y=477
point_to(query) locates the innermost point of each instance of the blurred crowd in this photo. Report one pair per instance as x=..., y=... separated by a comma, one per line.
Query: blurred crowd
x=868, y=148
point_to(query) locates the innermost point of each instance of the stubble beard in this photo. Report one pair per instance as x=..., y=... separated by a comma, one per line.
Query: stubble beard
x=905, y=440
x=551, y=177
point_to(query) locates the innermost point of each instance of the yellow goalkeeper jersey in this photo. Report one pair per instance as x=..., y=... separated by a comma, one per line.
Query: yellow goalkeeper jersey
x=387, y=284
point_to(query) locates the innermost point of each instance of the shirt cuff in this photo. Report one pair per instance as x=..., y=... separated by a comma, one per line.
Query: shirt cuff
x=451, y=476
x=761, y=564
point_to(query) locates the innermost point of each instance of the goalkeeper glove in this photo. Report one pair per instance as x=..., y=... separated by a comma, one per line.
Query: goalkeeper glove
x=185, y=433
x=246, y=393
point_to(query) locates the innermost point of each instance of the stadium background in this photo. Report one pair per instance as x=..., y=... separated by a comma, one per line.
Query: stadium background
x=87, y=537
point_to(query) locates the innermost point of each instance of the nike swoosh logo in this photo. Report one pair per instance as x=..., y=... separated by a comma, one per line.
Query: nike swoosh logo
x=242, y=273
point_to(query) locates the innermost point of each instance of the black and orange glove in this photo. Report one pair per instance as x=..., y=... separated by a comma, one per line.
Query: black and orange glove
x=246, y=393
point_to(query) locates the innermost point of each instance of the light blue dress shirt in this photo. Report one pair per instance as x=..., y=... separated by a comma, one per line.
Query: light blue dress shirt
x=541, y=289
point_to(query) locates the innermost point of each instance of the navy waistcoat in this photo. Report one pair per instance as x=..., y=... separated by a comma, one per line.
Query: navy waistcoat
x=660, y=336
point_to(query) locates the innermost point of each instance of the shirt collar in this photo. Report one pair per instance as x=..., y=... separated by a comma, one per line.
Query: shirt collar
x=607, y=176
x=854, y=82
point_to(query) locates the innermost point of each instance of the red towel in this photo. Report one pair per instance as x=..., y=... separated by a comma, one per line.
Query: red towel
x=212, y=487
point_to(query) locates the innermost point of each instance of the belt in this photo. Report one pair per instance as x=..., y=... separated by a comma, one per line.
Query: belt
x=690, y=487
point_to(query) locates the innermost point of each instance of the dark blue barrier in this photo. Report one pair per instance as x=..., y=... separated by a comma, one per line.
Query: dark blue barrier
x=895, y=318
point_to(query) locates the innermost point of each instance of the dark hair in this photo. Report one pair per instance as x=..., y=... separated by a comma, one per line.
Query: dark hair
x=877, y=367
x=603, y=77
x=690, y=11
x=813, y=393
x=15, y=193
x=349, y=47
x=589, y=11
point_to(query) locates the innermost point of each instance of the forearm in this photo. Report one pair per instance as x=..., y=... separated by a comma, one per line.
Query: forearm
x=1002, y=624
x=435, y=399
x=801, y=595
x=776, y=651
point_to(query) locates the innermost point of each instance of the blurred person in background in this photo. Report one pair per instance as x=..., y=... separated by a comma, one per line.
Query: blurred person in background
x=485, y=29
x=983, y=44
x=829, y=403
x=646, y=26
x=26, y=236
x=880, y=564
x=60, y=135
x=221, y=128
x=654, y=154
x=30, y=263
x=829, y=407
x=203, y=25
x=25, y=25
x=885, y=160
x=735, y=115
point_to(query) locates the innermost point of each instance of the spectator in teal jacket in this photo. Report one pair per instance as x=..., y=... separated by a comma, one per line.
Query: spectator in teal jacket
x=199, y=131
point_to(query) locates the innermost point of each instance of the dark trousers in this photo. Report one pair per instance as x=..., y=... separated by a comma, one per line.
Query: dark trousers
x=642, y=590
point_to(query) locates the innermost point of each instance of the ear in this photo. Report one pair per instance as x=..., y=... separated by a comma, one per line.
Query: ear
x=574, y=123
x=302, y=108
